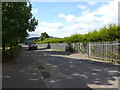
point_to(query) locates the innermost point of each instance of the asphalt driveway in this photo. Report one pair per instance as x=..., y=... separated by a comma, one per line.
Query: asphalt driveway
x=47, y=68
x=22, y=73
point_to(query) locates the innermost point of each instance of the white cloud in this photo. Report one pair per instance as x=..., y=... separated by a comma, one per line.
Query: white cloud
x=91, y=2
x=69, y=18
x=82, y=24
x=51, y=25
x=104, y=15
x=53, y=29
x=82, y=6
x=34, y=10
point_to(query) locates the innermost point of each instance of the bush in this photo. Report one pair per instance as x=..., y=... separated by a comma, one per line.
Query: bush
x=70, y=48
x=10, y=54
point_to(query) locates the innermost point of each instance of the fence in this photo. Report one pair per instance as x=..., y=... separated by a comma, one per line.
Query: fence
x=105, y=50
x=61, y=46
x=100, y=50
x=81, y=47
x=43, y=45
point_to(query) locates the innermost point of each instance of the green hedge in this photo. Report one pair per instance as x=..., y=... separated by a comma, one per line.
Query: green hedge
x=107, y=33
x=10, y=54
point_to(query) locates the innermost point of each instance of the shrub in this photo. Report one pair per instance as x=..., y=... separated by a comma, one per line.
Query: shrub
x=10, y=54
x=69, y=48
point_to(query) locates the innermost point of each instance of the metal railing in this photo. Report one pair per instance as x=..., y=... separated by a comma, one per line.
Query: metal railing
x=100, y=50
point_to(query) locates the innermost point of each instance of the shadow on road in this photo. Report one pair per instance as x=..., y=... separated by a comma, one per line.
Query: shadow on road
x=52, y=52
x=65, y=72
x=22, y=73
x=75, y=73
x=45, y=50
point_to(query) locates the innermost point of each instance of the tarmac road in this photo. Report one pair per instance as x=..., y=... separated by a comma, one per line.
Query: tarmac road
x=47, y=68
x=23, y=73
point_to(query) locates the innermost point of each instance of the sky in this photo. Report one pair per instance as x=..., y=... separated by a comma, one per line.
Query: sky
x=63, y=19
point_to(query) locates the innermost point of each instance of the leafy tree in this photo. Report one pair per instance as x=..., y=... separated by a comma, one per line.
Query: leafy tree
x=16, y=21
x=110, y=33
x=43, y=36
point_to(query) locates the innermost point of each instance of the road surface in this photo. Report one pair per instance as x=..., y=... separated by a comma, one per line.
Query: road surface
x=47, y=68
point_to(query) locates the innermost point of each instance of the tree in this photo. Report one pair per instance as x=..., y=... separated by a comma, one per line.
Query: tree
x=43, y=36
x=16, y=21
x=110, y=33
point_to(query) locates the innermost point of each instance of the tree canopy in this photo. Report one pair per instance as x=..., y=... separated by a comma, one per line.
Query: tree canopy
x=17, y=19
x=107, y=33
x=43, y=36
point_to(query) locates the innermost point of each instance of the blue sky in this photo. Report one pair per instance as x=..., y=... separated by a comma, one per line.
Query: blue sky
x=62, y=19
x=49, y=11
